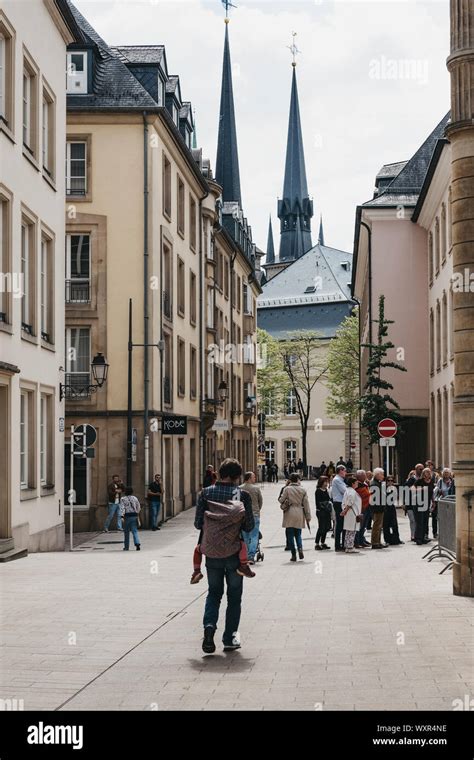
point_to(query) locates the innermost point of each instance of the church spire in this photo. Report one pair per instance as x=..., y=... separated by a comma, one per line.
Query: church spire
x=227, y=163
x=270, y=258
x=295, y=209
x=321, y=231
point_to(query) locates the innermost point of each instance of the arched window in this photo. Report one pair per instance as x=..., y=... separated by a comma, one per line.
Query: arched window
x=432, y=343
x=438, y=336
x=430, y=258
x=443, y=234
x=445, y=328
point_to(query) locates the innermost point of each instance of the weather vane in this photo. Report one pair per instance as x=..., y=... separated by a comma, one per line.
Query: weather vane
x=294, y=50
x=227, y=4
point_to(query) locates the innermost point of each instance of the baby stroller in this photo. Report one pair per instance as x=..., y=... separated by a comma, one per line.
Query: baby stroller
x=259, y=555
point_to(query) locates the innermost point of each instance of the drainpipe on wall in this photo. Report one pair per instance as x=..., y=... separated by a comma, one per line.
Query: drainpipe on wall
x=146, y=437
x=369, y=232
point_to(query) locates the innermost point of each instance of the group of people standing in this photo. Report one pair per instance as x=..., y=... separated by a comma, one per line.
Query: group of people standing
x=126, y=507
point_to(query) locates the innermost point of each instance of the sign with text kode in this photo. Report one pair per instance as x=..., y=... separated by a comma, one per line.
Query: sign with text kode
x=174, y=425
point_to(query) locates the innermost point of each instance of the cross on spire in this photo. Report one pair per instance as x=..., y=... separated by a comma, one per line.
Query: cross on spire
x=227, y=4
x=294, y=49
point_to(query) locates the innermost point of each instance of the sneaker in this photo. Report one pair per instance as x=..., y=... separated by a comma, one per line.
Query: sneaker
x=235, y=643
x=318, y=547
x=325, y=546
x=208, y=646
x=106, y=530
x=137, y=547
x=196, y=576
x=300, y=553
x=251, y=561
x=245, y=571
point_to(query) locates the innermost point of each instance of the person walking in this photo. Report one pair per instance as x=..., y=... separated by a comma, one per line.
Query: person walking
x=338, y=489
x=130, y=509
x=274, y=472
x=330, y=470
x=255, y=493
x=362, y=487
x=210, y=476
x=222, y=512
x=296, y=514
x=349, y=465
x=377, y=501
x=322, y=469
x=155, y=497
x=391, y=535
x=115, y=490
x=341, y=461
x=352, y=514
x=323, y=512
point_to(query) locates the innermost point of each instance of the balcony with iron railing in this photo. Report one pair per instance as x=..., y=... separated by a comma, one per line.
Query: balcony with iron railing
x=78, y=291
x=77, y=385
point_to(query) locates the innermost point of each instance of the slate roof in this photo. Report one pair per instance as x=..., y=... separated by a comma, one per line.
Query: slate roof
x=324, y=318
x=140, y=54
x=391, y=170
x=114, y=86
x=288, y=287
x=406, y=186
x=227, y=161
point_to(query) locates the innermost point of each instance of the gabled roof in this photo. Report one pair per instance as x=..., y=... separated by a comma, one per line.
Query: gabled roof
x=173, y=86
x=322, y=268
x=406, y=186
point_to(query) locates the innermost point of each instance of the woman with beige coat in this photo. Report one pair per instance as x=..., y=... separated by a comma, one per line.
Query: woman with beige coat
x=296, y=514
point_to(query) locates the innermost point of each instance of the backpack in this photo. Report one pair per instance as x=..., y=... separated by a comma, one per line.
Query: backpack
x=221, y=528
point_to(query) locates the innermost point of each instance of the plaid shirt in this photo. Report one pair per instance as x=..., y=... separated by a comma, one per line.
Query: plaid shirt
x=224, y=492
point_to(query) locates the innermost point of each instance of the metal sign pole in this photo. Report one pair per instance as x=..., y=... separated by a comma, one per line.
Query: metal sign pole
x=71, y=492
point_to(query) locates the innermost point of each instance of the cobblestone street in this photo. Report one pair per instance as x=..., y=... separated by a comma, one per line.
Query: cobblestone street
x=100, y=629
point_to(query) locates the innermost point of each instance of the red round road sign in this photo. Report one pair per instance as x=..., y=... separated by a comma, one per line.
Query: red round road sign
x=387, y=428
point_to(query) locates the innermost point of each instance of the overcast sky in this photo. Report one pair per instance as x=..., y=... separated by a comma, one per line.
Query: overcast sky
x=372, y=82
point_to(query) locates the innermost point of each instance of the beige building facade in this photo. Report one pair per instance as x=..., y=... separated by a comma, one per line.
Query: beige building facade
x=33, y=39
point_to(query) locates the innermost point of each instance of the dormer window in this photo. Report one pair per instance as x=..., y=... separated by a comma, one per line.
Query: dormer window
x=76, y=80
x=161, y=92
x=175, y=114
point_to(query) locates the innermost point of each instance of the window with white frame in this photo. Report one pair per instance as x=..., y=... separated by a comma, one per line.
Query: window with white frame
x=269, y=406
x=76, y=168
x=3, y=76
x=78, y=357
x=76, y=79
x=161, y=91
x=270, y=450
x=26, y=108
x=6, y=284
x=6, y=71
x=290, y=450
x=46, y=289
x=24, y=439
x=78, y=268
x=48, y=132
x=291, y=402
x=43, y=439
x=30, y=107
x=27, y=255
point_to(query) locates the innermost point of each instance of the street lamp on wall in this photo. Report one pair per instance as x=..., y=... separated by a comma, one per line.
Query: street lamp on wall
x=223, y=391
x=99, y=370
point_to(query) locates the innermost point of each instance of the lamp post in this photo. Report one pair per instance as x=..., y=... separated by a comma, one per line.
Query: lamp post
x=99, y=370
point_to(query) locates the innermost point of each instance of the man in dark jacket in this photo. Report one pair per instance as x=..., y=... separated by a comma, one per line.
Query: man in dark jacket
x=219, y=568
x=115, y=491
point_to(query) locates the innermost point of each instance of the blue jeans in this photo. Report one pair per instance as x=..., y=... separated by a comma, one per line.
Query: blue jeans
x=293, y=534
x=251, y=538
x=113, y=508
x=154, y=512
x=131, y=524
x=217, y=570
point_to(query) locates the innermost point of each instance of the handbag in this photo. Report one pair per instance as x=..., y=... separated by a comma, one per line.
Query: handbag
x=325, y=506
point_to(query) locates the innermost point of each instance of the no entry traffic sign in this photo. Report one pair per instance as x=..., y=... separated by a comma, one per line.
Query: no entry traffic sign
x=387, y=428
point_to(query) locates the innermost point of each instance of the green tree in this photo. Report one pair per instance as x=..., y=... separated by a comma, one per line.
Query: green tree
x=272, y=380
x=375, y=402
x=304, y=357
x=343, y=372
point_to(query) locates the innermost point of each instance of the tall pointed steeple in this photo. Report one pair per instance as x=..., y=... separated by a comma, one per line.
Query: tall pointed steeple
x=295, y=210
x=270, y=258
x=321, y=231
x=227, y=163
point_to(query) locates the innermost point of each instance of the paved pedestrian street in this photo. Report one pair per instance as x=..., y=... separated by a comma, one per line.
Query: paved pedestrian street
x=100, y=629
